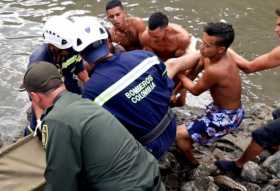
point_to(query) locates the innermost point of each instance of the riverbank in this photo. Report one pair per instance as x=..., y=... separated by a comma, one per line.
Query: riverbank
x=262, y=174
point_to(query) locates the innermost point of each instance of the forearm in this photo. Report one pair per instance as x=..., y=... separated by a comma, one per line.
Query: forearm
x=188, y=84
x=185, y=62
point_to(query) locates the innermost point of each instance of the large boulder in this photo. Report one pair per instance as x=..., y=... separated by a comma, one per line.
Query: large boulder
x=272, y=164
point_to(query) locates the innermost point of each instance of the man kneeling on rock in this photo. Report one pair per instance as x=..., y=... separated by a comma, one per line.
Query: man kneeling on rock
x=221, y=77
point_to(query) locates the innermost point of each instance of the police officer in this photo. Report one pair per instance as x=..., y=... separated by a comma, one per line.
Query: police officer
x=87, y=149
x=133, y=86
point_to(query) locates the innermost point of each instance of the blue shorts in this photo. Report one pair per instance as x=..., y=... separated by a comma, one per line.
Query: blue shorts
x=216, y=123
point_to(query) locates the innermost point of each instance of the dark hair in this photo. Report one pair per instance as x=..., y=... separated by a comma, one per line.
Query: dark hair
x=222, y=30
x=113, y=3
x=277, y=11
x=156, y=20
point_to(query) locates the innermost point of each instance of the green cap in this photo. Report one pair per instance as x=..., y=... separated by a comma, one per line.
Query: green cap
x=41, y=77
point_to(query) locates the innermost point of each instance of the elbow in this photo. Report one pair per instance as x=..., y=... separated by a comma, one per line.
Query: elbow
x=249, y=70
x=194, y=92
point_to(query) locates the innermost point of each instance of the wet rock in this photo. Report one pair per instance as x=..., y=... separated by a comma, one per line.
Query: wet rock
x=1, y=140
x=269, y=188
x=272, y=163
x=275, y=182
x=228, y=183
x=261, y=111
x=204, y=170
x=253, y=173
x=251, y=186
x=200, y=184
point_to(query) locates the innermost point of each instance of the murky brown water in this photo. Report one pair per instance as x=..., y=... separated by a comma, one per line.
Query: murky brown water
x=21, y=23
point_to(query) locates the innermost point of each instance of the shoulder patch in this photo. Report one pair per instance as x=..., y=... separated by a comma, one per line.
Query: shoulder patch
x=45, y=135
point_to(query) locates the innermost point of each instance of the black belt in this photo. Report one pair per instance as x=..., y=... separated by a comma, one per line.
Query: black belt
x=159, y=129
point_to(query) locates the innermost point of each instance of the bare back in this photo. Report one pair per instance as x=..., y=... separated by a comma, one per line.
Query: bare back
x=226, y=83
x=129, y=36
x=173, y=44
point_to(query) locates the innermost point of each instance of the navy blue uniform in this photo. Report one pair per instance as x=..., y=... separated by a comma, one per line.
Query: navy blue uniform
x=142, y=97
x=69, y=70
x=71, y=67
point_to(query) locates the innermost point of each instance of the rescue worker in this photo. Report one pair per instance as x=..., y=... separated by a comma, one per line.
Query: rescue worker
x=133, y=86
x=57, y=49
x=87, y=149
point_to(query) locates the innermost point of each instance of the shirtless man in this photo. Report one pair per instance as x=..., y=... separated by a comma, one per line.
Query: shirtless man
x=221, y=77
x=126, y=30
x=164, y=39
x=267, y=137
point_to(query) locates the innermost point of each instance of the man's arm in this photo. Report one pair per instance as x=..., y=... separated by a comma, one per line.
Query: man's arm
x=207, y=80
x=183, y=63
x=263, y=62
x=83, y=75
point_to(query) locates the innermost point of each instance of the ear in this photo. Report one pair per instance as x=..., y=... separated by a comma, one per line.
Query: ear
x=35, y=96
x=221, y=49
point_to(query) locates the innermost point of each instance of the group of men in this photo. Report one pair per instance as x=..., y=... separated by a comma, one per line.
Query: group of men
x=89, y=147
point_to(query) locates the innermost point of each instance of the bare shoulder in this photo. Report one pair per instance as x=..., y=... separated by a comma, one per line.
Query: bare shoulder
x=180, y=34
x=137, y=23
x=144, y=37
x=178, y=29
x=214, y=70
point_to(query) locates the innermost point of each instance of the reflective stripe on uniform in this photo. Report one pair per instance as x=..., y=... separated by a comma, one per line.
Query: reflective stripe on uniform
x=126, y=80
x=70, y=61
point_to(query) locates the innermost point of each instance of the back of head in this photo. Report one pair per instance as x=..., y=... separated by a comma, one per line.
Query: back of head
x=223, y=31
x=91, y=37
x=59, y=31
x=88, y=30
x=41, y=77
x=113, y=3
x=277, y=11
x=156, y=20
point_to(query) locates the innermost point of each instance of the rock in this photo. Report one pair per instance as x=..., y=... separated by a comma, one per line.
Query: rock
x=200, y=184
x=275, y=182
x=252, y=172
x=228, y=183
x=272, y=164
x=261, y=111
x=204, y=170
x=269, y=188
x=251, y=186
x=1, y=140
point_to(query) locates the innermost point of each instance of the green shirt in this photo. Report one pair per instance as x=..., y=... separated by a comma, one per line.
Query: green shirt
x=88, y=149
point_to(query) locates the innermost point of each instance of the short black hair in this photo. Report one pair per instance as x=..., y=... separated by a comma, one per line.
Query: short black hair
x=157, y=19
x=113, y=3
x=222, y=30
x=277, y=11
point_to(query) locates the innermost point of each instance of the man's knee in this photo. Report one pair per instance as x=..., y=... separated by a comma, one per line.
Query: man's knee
x=181, y=132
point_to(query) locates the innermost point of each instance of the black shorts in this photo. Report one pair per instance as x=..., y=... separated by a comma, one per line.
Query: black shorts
x=269, y=135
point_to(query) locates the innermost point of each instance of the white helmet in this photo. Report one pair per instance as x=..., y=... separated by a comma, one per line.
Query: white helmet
x=88, y=30
x=59, y=31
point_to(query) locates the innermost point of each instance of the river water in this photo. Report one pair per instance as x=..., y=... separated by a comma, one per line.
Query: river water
x=21, y=23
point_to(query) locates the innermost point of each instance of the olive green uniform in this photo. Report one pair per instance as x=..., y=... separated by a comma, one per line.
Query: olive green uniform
x=88, y=149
